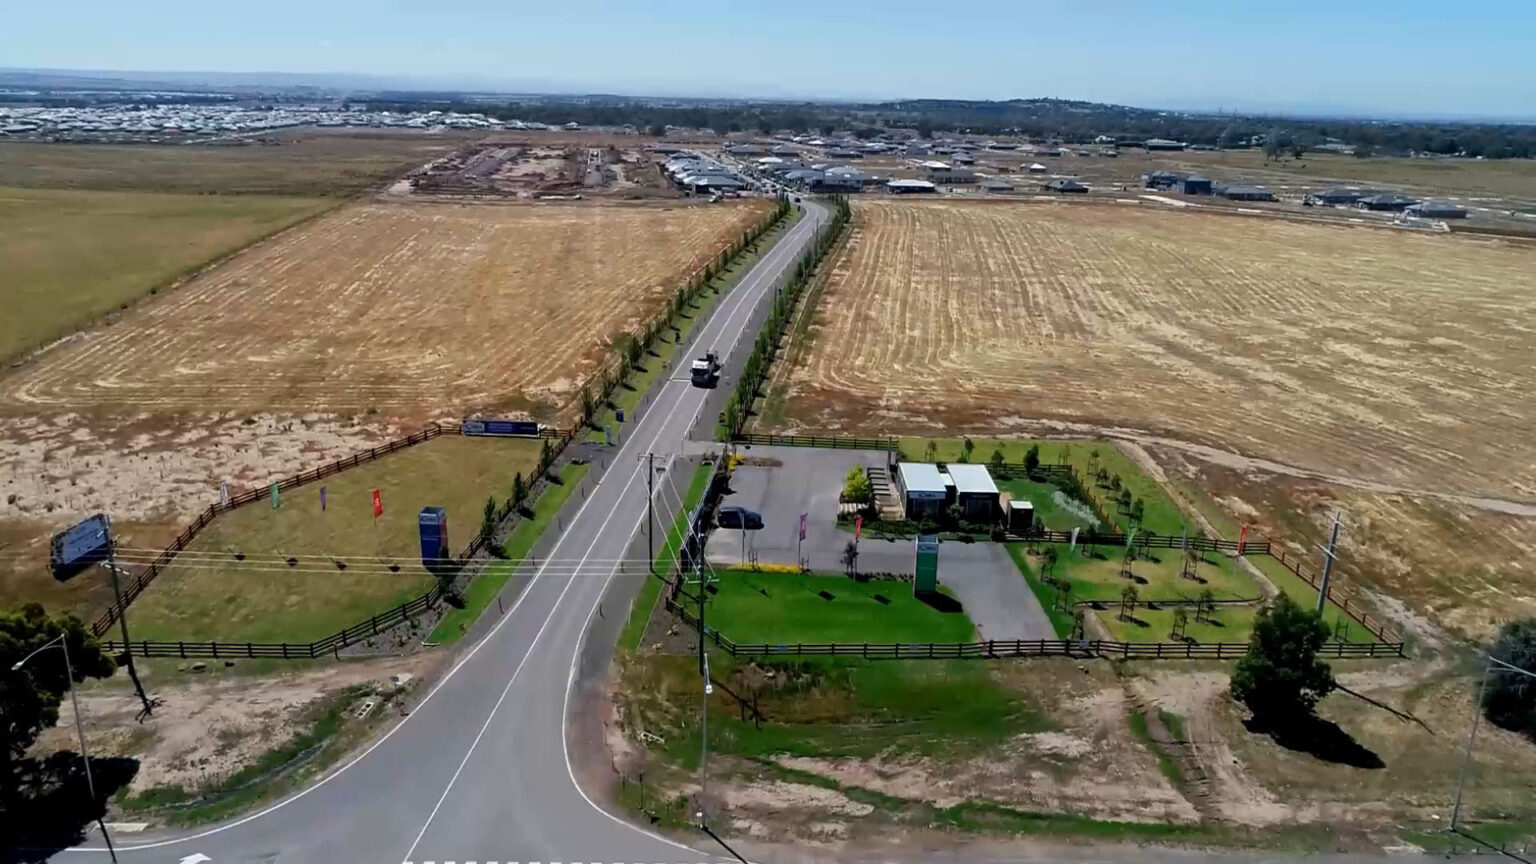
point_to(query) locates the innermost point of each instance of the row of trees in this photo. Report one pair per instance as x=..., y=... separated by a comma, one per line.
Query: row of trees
x=628, y=354
x=629, y=350
x=767, y=344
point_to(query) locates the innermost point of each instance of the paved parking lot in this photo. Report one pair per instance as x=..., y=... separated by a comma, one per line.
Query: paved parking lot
x=794, y=480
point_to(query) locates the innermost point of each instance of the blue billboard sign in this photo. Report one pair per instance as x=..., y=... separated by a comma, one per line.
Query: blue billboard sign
x=79, y=546
x=432, y=525
x=493, y=428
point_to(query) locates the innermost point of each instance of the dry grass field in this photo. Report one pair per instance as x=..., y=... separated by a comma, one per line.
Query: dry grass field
x=352, y=329
x=402, y=310
x=1398, y=357
x=72, y=255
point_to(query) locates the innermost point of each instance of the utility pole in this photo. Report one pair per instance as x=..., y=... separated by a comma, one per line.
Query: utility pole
x=704, y=703
x=122, y=620
x=1477, y=715
x=1330, y=553
x=650, y=516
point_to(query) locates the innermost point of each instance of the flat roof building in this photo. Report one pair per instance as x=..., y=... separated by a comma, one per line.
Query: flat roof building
x=924, y=493
x=909, y=187
x=974, y=491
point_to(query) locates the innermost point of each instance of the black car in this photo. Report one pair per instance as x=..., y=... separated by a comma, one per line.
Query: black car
x=739, y=518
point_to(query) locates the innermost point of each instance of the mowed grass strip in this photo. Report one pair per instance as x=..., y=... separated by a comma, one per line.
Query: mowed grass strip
x=263, y=600
x=72, y=256
x=484, y=588
x=785, y=608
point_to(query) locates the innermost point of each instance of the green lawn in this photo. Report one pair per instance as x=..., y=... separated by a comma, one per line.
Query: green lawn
x=825, y=707
x=261, y=599
x=72, y=256
x=1043, y=497
x=484, y=587
x=628, y=395
x=752, y=607
x=1161, y=515
x=650, y=592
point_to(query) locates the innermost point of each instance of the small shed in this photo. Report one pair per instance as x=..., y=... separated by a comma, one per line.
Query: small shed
x=1021, y=516
x=975, y=492
x=923, y=492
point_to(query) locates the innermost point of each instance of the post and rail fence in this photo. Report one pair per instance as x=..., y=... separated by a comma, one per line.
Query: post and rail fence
x=1342, y=597
x=147, y=574
x=1011, y=648
x=141, y=580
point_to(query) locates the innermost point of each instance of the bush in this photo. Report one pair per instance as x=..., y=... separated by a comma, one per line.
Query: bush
x=1280, y=679
x=1510, y=700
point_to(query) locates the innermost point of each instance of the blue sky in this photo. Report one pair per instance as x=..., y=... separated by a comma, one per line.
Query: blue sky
x=1404, y=57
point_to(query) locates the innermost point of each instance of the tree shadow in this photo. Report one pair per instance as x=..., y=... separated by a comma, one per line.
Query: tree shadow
x=1315, y=736
x=940, y=602
x=52, y=809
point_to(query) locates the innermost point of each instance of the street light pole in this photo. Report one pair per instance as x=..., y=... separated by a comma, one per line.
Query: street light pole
x=74, y=700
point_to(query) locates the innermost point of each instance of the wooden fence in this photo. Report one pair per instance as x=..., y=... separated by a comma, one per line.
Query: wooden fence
x=147, y=574
x=135, y=586
x=286, y=650
x=828, y=441
x=1001, y=649
x=1342, y=597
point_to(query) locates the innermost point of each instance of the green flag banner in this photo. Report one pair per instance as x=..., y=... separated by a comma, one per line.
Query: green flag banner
x=276, y=497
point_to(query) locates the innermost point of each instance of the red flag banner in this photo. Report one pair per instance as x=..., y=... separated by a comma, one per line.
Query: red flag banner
x=378, y=504
x=858, y=528
x=1242, y=539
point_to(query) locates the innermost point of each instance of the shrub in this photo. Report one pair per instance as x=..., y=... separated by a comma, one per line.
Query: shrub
x=1510, y=699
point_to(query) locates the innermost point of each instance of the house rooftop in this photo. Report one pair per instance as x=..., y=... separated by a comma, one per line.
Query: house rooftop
x=920, y=477
x=972, y=478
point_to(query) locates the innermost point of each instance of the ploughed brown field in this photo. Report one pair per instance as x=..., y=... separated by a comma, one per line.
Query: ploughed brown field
x=1394, y=356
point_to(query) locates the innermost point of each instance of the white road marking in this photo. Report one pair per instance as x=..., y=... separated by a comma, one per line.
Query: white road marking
x=602, y=529
x=812, y=225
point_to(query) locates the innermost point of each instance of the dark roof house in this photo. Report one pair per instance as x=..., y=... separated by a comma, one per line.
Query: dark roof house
x=1388, y=201
x=1244, y=192
x=1064, y=184
x=1437, y=210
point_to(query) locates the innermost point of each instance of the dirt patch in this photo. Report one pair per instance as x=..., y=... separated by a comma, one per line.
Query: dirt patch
x=1433, y=566
x=209, y=728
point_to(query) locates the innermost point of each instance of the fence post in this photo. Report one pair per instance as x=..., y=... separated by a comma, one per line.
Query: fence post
x=182, y=647
x=1125, y=650
x=215, y=650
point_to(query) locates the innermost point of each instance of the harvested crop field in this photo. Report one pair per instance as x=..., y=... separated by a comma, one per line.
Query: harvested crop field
x=336, y=336
x=403, y=310
x=1393, y=356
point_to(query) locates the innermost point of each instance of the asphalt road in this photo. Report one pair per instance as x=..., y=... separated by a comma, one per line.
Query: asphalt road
x=480, y=770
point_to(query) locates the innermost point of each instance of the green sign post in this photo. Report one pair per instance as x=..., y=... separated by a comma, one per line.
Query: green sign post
x=926, y=575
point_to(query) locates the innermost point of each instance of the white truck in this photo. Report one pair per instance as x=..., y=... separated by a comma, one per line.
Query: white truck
x=706, y=370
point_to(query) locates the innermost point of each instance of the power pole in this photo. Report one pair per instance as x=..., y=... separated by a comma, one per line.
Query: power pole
x=704, y=703
x=650, y=515
x=1477, y=714
x=122, y=620
x=1330, y=552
